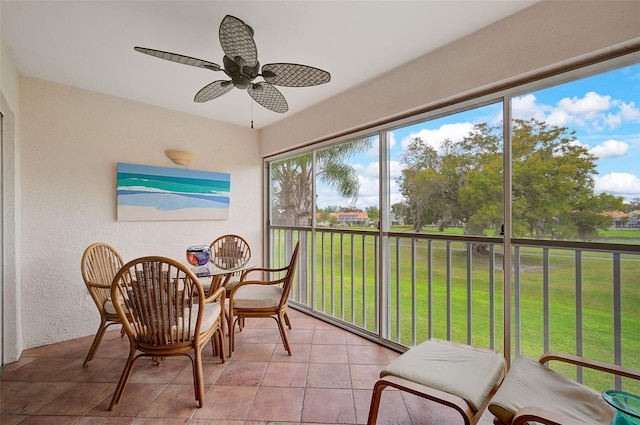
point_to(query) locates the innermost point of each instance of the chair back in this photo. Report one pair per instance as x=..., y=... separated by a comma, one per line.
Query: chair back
x=100, y=263
x=289, y=275
x=164, y=300
x=230, y=251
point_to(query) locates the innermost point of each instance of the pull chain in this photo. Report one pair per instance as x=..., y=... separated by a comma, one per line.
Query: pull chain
x=251, y=113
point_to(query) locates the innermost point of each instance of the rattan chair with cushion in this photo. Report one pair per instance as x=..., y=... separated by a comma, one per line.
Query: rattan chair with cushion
x=100, y=263
x=263, y=298
x=169, y=315
x=229, y=252
x=534, y=393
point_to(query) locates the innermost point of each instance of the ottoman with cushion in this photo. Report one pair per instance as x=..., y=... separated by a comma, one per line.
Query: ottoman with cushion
x=455, y=375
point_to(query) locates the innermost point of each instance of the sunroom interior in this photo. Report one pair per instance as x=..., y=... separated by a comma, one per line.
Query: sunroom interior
x=61, y=144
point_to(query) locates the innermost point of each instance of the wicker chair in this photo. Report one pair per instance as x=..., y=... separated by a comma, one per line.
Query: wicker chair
x=229, y=252
x=169, y=315
x=100, y=263
x=263, y=298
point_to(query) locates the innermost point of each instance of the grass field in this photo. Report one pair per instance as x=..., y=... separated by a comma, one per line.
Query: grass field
x=432, y=292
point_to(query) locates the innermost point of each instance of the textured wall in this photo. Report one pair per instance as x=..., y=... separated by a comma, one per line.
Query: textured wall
x=71, y=141
x=9, y=101
x=542, y=35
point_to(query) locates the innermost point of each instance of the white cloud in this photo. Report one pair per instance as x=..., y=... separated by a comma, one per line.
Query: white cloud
x=526, y=106
x=629, y=112
x=369, y=170
x=589, y=106
x=369, y=177
x=618, y=183
x=395, y=169
x=375, y=149
x=434, y=138
x=610, y=148
x=392, y=140
x=592, y=110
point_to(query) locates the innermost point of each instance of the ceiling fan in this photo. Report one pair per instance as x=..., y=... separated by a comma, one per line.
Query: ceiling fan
x=240, y=63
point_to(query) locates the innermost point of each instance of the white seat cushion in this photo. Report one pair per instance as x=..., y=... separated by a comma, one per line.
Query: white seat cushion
x=257, y=296
x=210, y=315
x=110, y=309
x=230, y=285
x=531, y=384
x=463, y=371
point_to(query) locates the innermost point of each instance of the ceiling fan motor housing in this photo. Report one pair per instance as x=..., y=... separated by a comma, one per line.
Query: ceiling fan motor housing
x=241, y=76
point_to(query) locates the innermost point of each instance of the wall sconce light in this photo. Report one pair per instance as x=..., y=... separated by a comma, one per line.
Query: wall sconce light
x=179, y=157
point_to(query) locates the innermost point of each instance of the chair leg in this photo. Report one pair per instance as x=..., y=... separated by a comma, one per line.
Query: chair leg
x=283, y=332
x=215, y=344
x=232, y=335
x=286, y=320
x=124, y=379
x=375, y=402
x=198, y=376
x=96, y=343
x=217, y=341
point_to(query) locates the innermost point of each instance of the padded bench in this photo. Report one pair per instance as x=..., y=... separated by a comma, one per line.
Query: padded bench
x=455, y=375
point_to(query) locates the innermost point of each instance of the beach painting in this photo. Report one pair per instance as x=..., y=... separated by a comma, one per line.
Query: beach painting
x=147, y=193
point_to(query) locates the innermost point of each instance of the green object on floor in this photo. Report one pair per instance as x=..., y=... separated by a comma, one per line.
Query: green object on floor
x=627, y=407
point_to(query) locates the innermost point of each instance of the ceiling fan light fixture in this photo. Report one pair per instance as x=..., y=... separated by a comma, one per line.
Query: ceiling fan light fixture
x=241, y=81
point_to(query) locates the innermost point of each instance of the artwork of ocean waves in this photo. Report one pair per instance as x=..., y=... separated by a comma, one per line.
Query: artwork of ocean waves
x=170, y=190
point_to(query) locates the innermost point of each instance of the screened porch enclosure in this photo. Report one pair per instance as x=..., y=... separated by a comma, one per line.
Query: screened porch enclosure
x=487, y=223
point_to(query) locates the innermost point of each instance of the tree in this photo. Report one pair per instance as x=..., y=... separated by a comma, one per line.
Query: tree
x=426, y=185
x=292, y=185
x=399, y=211
x=372, y=213
x=323, y=216
x=633, y=205
x=552, y=183
x=447, y=178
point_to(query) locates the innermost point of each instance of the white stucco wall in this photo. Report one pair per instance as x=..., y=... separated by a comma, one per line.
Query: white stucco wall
x=545, y=34
x=71, y=141
x=9, y=104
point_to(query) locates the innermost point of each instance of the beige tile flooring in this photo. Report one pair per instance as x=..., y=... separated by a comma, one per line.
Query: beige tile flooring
x=327, y=380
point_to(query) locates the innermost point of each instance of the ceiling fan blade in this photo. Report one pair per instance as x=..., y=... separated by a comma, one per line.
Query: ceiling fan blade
x=174, y=57
x=213, y=90
x=269, y=97
x=294, y=75
x=236, y=39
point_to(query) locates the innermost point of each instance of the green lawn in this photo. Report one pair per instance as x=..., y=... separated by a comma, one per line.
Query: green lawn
x=346, y=289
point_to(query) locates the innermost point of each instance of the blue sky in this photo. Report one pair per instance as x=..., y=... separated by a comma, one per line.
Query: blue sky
x=604, y=111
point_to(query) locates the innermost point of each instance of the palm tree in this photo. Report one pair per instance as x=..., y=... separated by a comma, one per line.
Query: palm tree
x=292, y=179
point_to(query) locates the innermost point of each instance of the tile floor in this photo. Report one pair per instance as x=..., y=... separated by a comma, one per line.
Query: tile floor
x=327, y=380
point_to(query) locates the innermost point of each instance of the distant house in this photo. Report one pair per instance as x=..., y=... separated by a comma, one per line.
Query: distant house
x=619, y=219
x=352, y=218
x=633, y=222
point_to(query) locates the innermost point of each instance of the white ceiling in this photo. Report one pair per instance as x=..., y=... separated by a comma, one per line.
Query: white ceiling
x=89, y=44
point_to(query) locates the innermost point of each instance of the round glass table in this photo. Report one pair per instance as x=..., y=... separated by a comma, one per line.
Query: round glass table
x=627, y=407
